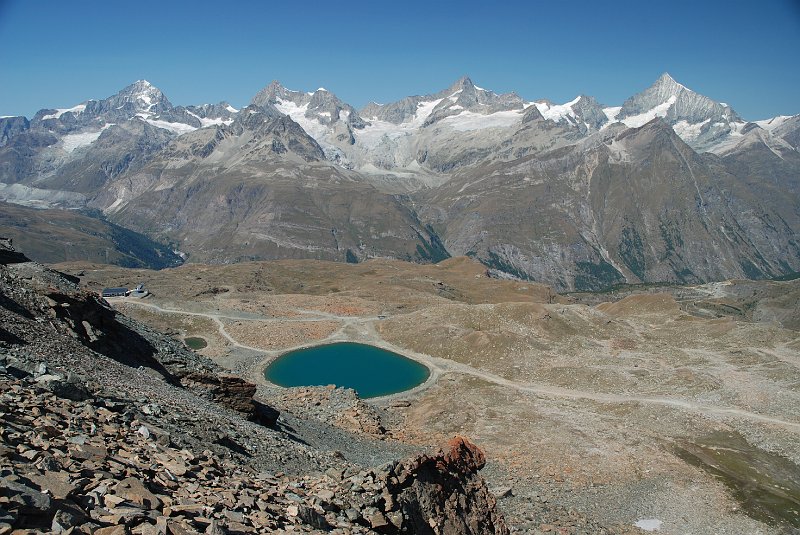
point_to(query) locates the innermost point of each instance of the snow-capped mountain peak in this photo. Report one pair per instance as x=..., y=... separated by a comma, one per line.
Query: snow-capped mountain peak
x=418, y=134
x=696, y=118
x=272, y=92
x=463, y=83
x=465, y=97
x=83, y=124
x=143, y=95
x=582, y=112
x=668, y=84
x=325, y=117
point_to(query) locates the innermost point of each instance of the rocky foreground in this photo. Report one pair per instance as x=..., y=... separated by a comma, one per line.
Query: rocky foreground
x=107, y=427
x=96, y=466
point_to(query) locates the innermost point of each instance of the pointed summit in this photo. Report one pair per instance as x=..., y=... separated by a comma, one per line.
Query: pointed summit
x=274, y=91
x=275, y=87
x=667, y=84
x=666, y=78
x=698, y=120
x=142, y=95
x=141, y=87
x=464, y=95
x=463, y=83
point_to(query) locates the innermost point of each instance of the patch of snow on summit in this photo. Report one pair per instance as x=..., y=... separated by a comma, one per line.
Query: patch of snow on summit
x=635, y=121
x=75, y=109
x=556, y=112
x=773, y=123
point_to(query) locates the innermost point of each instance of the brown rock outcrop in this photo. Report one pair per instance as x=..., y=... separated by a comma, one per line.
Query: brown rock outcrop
x=443, y=494
x=228, y=390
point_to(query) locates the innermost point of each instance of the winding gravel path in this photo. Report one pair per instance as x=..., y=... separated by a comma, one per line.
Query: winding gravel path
x=366, y=333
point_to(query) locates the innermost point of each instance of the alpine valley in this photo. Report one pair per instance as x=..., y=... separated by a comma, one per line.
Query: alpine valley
x=670, y=186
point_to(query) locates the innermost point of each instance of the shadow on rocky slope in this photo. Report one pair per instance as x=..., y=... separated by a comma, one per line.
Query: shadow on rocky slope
x=108, y=427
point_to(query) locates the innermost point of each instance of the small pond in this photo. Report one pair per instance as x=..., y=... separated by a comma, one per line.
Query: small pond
x=195, y=342
x=369, y=370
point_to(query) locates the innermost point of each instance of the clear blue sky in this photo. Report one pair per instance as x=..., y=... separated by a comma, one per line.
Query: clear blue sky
x=59, y=53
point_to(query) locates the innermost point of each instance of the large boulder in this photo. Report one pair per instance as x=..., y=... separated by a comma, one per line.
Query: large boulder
x=444, y=494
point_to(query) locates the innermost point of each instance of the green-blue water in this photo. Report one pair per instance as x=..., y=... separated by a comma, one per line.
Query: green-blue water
x=368, y=370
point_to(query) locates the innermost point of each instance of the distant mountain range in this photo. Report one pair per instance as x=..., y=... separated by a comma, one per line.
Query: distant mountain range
x=669, y=186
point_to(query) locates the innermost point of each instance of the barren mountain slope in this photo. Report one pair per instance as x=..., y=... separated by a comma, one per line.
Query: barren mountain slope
x=110, y=427
x=613, y=411
x=259, y=189
x=627, y=205
x=61, y=236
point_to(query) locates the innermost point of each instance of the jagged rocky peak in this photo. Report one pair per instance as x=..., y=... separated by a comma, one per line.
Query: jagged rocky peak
x=271, y=132
x=275, y=91
x=642, y=143
x=532, y=114
x=141, y=97
x=752, y=136
x=665, y=90
x=320, y=106
x=667, y=84
x=464, y=95
x=462, y=84
x=697, y=119
x=372, y=110
x=468, y=92
x=142, y=91
x=583, y=113
x=678, y=103
x=329, y=108
x=590, y=111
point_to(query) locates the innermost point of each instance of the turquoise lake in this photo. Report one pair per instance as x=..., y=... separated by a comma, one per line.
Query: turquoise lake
x=368, y=370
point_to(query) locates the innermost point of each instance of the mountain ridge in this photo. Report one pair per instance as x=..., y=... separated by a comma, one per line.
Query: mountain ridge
x=305, y=175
